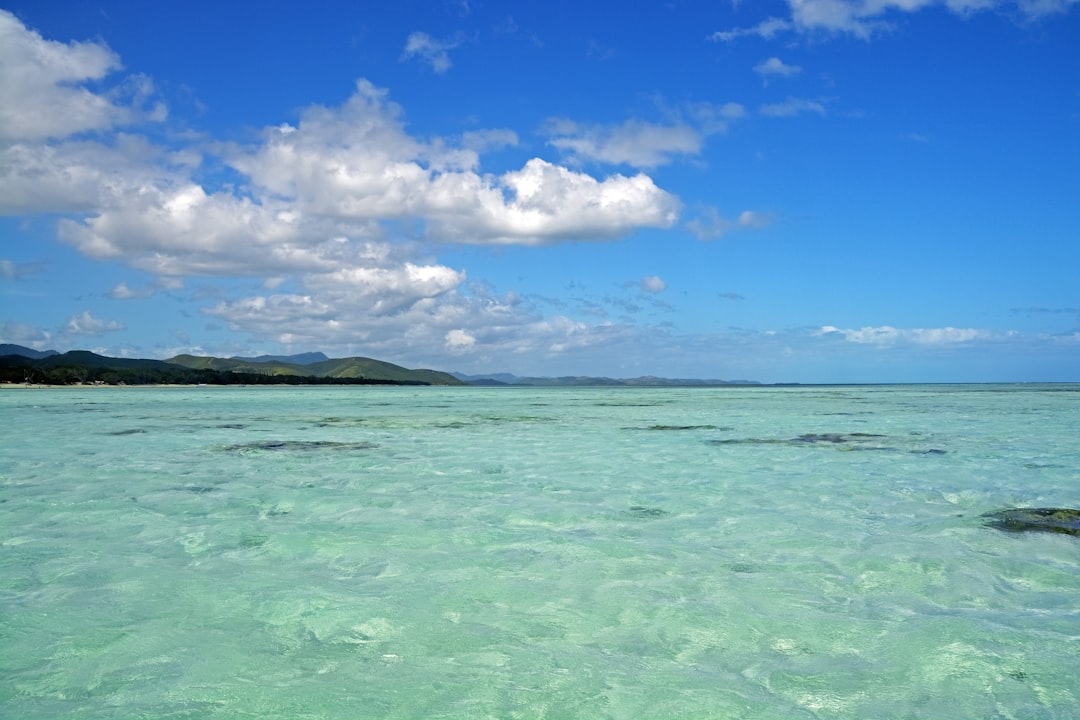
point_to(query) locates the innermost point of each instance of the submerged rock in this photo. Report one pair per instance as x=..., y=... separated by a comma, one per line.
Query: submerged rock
x=1057, y=520
x=297, y=445
x=641, y=512
x=835, y=438
x=683, y=427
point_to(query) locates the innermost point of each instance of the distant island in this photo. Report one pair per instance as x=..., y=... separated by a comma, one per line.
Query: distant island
x=498, y=379
x=22, y=365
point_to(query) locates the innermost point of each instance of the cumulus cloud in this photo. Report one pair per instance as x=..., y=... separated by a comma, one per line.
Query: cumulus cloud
x=420, y=45
x=864, y=18
x=456, y=322
x=86, y=324
x=317, y=215
x=653, y=284
x=775, y=67
x=459, y=341
x=42, y=87
x=356, y=163
x=84, y=176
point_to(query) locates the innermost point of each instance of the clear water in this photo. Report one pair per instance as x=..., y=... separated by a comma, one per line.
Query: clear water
x=537, y=553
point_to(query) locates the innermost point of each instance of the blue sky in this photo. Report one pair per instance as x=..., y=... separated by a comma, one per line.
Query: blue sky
x=799, y=191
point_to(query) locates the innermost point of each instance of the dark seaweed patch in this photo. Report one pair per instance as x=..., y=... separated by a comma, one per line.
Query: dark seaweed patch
x=835, y=438
x=297, y=446
x=642, y=512
x=324, y=422
x=1055, y=520
x=743, y=567
x=253, y=541
x=684, y=427
x=851, y=441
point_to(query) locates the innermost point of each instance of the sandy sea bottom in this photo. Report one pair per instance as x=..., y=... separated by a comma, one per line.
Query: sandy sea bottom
x=359, y=552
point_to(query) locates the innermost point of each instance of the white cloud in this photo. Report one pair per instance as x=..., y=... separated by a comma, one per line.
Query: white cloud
x=887, y=335
x=634, y=143
x=183, y=231
x=542, y=204
x=26, y=335
x=433, y=52
x=356, y=163
x=766, y=29
x=459, y=341
x=428, y=331
x=791, y=107
x=122, y=292
x=714, y=118
x=710, y=225
x=653, y=284
x=774, y=66
x=479, y=141
x=41, y=87
x=315, y=220
x=864, y=18
x=83, y=176
x=86, y=324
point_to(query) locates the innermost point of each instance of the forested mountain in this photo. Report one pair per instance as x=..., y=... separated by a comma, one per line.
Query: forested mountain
x=82, y=367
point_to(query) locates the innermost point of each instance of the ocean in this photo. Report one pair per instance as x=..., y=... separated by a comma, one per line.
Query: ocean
x=638, y=553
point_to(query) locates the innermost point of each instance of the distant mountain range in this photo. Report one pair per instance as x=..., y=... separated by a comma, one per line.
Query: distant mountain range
x=18, y=363
x=301, y=359
x=304, y=367
x=342, y=368
x=9, y=349
x=496, y=379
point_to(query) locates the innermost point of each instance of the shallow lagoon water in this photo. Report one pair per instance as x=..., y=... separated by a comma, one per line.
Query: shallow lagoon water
x=382, y=552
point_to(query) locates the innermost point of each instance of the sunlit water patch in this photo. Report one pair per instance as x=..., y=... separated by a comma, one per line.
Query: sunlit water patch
x=538, y=553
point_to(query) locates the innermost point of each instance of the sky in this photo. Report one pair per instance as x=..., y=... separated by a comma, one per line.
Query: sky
x=780, y=191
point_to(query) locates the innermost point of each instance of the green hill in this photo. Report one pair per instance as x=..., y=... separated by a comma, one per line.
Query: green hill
x=355, y=368
x=197, y=362
x=83, y=367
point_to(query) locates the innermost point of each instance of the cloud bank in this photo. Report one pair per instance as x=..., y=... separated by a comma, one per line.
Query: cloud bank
x=864, y=18
x=319, y=206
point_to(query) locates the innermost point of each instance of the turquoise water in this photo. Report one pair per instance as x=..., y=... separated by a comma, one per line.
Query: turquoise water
x=387, y=552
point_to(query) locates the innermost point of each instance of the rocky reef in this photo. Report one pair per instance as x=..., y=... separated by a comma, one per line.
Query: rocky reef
x=1056, y=520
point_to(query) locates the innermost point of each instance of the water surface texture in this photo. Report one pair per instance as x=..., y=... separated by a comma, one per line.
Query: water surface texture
x=382, y=552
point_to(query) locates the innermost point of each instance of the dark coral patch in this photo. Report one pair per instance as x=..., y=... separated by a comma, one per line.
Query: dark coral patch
x=684, y=427
x=298, y=446
x=1055, y=520
x=641, y=512
x=835, y=438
